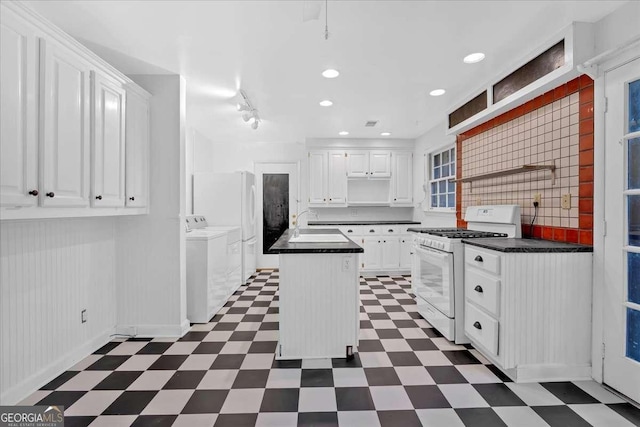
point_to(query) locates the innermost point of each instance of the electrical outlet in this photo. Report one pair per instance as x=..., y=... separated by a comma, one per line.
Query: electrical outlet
x=354, y=212
x=478, y=201
x=537, y=198
x=566, y=201
x=83, y=316
x=346, y=264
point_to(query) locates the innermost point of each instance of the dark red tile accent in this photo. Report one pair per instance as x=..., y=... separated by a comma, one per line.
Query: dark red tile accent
x=585, y=174
x=586, y=237
x=547, y=233
x=585, y=81
x=585, y=126
x=585, y=206
x=586, y=222
x=559, y=234
x=586, y=95
x=586, y=158
x=586, y=142
x=572, y=235
x=573, y=86
x=586, y=110
x=586, y=190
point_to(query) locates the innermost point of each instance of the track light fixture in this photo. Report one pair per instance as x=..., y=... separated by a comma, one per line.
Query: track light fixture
x=248, y=110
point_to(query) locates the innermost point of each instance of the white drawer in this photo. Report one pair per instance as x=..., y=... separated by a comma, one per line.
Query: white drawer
x=481, y=328
x=394, y=229
x=442, y=323
x=370, y=230
x=351, y=230
x=482, y=290
x=482, y=259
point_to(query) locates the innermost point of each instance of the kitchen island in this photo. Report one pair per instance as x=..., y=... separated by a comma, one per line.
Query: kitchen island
x=318, y=294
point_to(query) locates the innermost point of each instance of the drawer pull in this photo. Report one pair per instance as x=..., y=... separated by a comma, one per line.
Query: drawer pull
x=477, y=325
x=391, y=230
x=50, y=194
x=372, y=231
x=478, y=258
x=349, y=231
x=33, y=192
x=478, y=289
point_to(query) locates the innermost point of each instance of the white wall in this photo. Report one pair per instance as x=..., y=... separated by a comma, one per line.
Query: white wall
x=428, y=142
x=151, y=278
x=618, y=27
x=50, y=270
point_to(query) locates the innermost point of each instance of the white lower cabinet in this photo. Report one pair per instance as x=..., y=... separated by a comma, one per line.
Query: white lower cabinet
x=530, y=312
x=390, y=252
x=372, y=257
x=405, y=252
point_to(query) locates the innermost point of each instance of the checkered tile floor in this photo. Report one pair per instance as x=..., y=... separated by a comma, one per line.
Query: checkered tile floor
x=223, y=373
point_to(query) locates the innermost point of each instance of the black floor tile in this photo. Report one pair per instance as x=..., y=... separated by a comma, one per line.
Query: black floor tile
x=354, y=399
x=365, y=346
x=569, y=393
x=269, y=326
x=446, y=375
x=280, y=400
x=228, y=361
x=209, y=347
x=78, y=421
x=118, y=380
x=461, y=357
x=63, y=398
x=168, y=362
x=256, y=318
x=432, y=333
x=188, y=380
x=263, y=347
x=426, y=397
x=386, y=334
x=194, y=336
x=317, y=378
x=343, y=362
x=498, y=394
x=366, y=324
x=59, y=380
x=370, y=302
x=399, y=419
x=404, y=358
x=205, y=402
x=286, y=364
x=155, y=348
x=236, y=420
x=560, y=416
x=251, y=378
x=107, y=363
x=107, y=347
x=381, y=376
x=130, y=403
x=421, y=344
x=318, y=419
x=628, y=411
x=379, y=316
x=225, y=326
x=242, y=336
x=154, y=421
x=480, y=417
x=238, y=310
x=498, y=373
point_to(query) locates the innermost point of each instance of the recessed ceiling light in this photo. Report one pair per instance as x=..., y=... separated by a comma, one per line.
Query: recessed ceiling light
x=343, y=133
x=385, y=134
x=437, y=92
x=472, y=58
x=330, y=73
x=326, y=103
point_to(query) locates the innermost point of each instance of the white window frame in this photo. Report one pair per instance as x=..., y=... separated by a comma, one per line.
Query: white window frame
x=429, y=179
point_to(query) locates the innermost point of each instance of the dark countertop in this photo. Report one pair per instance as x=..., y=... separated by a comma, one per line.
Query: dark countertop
x=361, y=222
x=282, y=245
x=526, y=245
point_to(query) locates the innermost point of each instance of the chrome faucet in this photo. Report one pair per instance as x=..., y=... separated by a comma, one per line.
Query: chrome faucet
x=296, y=230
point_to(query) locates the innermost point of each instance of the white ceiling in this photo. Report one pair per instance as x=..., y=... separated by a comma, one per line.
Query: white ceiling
x=390, y=55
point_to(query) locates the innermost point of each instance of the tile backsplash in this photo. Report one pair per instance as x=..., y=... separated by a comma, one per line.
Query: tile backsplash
x=554, y=129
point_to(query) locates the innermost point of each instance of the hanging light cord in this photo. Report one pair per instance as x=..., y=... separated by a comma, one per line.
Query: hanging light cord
x=326, y=19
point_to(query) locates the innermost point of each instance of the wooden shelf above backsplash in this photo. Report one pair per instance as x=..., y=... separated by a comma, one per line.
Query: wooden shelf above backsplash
x=514, y=171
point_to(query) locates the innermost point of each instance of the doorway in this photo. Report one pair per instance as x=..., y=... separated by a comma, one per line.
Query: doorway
x=277, y=205
x=621, y=319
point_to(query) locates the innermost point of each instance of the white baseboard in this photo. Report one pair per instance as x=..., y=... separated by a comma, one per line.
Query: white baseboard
x=154, y=331
x=20, y=391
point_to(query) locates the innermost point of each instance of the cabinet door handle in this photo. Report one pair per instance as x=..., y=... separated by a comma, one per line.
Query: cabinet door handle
x=478, y=289
x=132, y=198
x=349, y=231
x=478, y=258
x=50, y=194
x=330, y=199
x=390, y=230
x=98, y=197
x=378, y=241
x=33, y=192
x=395, y=200
x=384, y=241
x=372, y=231
x=477, y=325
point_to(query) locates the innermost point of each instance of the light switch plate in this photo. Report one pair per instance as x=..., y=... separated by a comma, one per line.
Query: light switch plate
x=566, y=201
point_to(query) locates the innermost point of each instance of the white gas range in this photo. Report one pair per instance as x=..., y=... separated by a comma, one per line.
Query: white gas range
x=437, y=269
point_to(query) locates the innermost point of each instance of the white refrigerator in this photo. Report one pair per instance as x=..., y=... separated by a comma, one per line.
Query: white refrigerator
x=230, y=199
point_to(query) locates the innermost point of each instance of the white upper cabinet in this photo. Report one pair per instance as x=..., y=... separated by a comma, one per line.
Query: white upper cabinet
x=137, y=149
x=402, y=178
x=317, y=177
x=65, y=106
x=380, y=164
x=18, y=103
x=337, y=178
x=108, y=141
x=357, y=164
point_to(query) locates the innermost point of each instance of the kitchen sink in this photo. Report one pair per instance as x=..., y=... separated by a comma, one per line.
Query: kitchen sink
x=319, y=238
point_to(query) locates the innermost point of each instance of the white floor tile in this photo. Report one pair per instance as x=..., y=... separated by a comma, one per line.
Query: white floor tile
x=284, y=378
x=277, y=419
x=445, y=344
x=86, y=362
x=267, y=336
x=413, y=375
x=257, y=361
x=600, y=415
x=316, y=363
x=395, y=345
x=219, y=336
x=113, y=421
x=92, y=403
x=236, y=347
x=151, y=380
x=533, y=394
x=195, y=420
x=34, y=397
x=349, y=377
x=317, y=399
x=368, y=334
x=168, y=402
x=128, y=347
x=599, y=392
x=358, y=419
x=521, y=416
x=248, y=326
x=198, y=362
x=85, y=380
x=383, y=324
x=439, y=418
x=433, y=358
x=412, y=333
x=478, y=374
x=218, y=379
x=182, y=347
x=463, y=396
x=376, y=359
x=390, y=398
x=243, y=401
x=138, y=362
